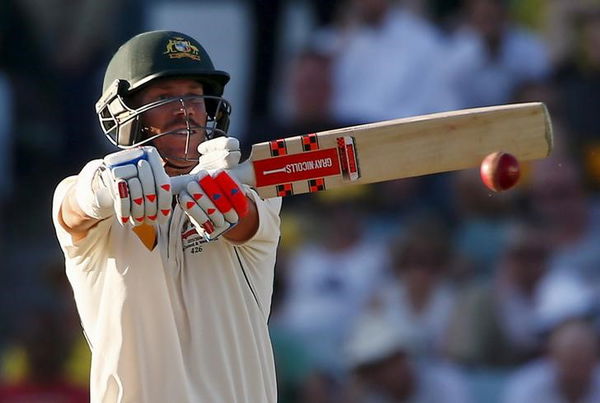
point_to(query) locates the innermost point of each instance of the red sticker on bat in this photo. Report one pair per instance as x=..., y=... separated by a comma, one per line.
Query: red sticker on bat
x=278, y=147
x=297, y=167
x=316, y=185
x=310, y=142
x=285, y=189
x=348, y=160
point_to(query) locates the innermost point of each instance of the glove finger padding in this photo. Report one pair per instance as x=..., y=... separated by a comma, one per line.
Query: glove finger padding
x=233, y=191
x=140, y=186
x=136, y=197
x=121, y=191
x=219, y=199
x=214, y=204
x=219, y=153
x=162, y=184
x=205, y=203
x=149, y=191
x=197, y=215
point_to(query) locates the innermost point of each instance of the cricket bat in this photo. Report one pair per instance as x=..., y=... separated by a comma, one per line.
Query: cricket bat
x=393, y=149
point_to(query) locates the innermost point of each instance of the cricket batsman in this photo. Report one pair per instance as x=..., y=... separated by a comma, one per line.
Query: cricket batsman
x=173, y=290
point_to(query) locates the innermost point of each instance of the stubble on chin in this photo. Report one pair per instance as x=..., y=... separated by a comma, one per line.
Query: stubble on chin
x=176, y=170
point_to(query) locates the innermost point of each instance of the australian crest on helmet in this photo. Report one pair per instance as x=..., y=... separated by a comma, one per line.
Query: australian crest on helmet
x=178, y=47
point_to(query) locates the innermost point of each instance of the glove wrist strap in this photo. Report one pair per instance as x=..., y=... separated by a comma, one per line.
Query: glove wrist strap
x=86, y=195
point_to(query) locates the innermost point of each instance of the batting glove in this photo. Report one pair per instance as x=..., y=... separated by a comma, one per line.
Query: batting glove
x=215, y=203
x=131, y=184
x=219, y=153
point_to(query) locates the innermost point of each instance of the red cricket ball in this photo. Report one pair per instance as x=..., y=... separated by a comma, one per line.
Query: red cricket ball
x=500, y=171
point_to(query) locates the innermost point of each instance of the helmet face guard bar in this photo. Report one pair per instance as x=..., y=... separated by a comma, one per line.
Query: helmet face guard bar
x=123, y=125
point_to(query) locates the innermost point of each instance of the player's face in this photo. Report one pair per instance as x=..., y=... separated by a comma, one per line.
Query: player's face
x=183, y=120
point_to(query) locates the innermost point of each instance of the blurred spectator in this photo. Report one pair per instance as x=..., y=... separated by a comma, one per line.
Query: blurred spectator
x=403, y=198
x=570, y=371
x=308, y=94
x=72, y=47
x=55, y=297
x=292, y=361
x=386, y=62
x=21, y=85
x=441, y=12
x=578, y=81
x=481, y=218
x=384, y=368
x=46, y=345
x=418, y=298
x=329, y=280
x=311, y=88
x=306, y=104
x=496, y=324
x=490, y=56
x=563, y=295
x=6, y=143
x=559, y=20
x=569, y=216
x=407, y=198
x=7, y=182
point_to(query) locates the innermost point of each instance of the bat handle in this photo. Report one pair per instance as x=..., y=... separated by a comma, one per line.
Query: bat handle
x=178, y=183
x=243, y=173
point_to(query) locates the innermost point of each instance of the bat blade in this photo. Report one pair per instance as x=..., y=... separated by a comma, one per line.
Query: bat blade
x=397, y=149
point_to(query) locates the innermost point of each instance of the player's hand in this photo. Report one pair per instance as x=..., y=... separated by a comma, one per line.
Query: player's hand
x=139, y=188
x=215, y=203
x=219, y=153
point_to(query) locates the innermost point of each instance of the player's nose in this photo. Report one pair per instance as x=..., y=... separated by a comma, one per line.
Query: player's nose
x=184, y=108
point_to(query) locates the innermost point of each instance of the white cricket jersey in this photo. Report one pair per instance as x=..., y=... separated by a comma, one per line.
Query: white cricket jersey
x=183, y=323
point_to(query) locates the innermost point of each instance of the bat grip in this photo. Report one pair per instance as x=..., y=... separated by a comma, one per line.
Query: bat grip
x=244, y=173
x=178, y=183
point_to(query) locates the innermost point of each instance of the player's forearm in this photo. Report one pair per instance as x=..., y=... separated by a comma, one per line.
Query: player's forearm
x=246, y=227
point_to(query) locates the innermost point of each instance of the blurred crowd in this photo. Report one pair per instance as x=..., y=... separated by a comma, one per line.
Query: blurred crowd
x=429, y=289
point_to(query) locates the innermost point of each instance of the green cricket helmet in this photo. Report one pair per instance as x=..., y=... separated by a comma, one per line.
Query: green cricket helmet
x=142, y=60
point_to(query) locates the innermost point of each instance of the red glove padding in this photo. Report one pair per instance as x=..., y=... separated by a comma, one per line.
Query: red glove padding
x=215, y=203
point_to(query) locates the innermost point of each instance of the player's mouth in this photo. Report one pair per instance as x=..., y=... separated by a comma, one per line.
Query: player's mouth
x=184, y=131
x=179, y=163
x=181, y=149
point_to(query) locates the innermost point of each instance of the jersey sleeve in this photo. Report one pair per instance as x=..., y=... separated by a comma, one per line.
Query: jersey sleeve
x=258, y=254
x=85, y=252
